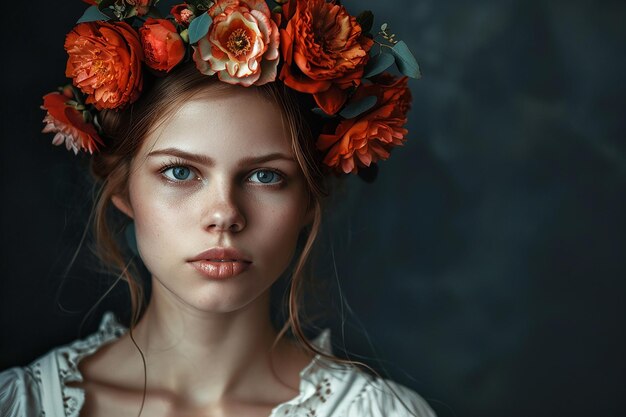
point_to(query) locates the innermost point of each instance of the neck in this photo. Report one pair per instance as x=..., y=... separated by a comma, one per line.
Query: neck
x=206, y=356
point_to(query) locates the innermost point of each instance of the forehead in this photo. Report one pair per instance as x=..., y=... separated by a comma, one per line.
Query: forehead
x=238, y=122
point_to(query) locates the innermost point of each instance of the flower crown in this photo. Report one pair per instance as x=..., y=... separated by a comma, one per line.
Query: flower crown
x=313, y=46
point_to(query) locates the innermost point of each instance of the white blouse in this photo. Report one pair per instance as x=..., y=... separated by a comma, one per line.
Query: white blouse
x=40, y=389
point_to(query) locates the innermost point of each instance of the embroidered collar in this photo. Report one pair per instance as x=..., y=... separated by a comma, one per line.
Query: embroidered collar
x=315, y=384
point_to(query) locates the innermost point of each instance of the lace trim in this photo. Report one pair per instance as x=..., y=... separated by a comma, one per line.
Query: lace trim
x=315, y=387
x=68, y=358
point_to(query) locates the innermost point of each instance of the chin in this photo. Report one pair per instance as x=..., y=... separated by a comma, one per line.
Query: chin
x=219, y=297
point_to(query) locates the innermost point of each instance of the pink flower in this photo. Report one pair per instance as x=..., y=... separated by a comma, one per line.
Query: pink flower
x=68, y=124
x=241, y=45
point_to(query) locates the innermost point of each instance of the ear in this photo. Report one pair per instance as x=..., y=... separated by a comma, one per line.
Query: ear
x=123, y=205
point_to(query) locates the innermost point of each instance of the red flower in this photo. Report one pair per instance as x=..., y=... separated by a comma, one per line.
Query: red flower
x=162, y=45
x=324, y=51
x=182, y=14
x=105, y=63
x=68, y=124
x=359, y=141
x=241, y=45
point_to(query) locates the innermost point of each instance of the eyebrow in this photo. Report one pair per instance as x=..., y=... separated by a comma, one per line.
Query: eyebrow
x=208, y=161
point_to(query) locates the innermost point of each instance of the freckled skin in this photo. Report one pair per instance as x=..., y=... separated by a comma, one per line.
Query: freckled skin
x=221, y=205
x=208, y=344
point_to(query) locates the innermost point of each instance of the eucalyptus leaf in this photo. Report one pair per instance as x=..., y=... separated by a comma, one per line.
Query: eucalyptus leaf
x=199, y=27
x=366, y=20
x=92, y=14
x=353, y=109
x=319, y=112
x=405, y=60
x=378, y=64
x=112, y=9
x=185, y=35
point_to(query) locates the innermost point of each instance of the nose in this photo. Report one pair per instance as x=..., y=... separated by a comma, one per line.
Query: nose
x=222, y=211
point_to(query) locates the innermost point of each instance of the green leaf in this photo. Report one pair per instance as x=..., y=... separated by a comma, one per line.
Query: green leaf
x=92, y=14
x=185, y=35
x=355, y=108
x=319, y=112
x=108, y=8
x=378, y=64
x=199, y=27
x=366, y=20
x=405, y=60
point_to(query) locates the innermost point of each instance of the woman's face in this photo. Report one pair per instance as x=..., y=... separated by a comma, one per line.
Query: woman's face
x=218, y=174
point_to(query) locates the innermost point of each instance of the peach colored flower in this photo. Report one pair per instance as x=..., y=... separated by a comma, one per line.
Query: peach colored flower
x=359, y=141
x=68, y=124
x=105, y=63
x=241, y=45
x=324, y=51
x=162, y=45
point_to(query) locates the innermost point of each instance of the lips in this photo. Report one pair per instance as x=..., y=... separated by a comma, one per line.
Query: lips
x=220, y=263
x=221, y=269
x=221, y=254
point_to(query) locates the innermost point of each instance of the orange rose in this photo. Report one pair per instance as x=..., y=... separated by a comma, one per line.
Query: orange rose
x=68, y=124
x=324, y=52
x=162, y=45
x=105, y=63
x=359, y=141
x=241, y=45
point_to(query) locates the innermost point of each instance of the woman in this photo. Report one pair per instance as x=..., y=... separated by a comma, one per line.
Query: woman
x=220, y=168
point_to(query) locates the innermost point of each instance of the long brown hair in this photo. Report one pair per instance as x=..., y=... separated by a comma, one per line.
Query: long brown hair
x=125, y=130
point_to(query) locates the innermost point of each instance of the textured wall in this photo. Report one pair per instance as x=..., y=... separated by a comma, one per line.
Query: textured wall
x=486, y=263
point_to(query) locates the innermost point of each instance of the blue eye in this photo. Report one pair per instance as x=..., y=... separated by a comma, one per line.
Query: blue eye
x=266, y=176
x=179, y=173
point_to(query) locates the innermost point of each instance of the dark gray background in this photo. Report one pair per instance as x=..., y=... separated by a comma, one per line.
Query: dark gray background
x=486, y=263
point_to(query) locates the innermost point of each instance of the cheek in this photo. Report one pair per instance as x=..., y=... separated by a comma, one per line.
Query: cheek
x=156, y=220
x=276, y=228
